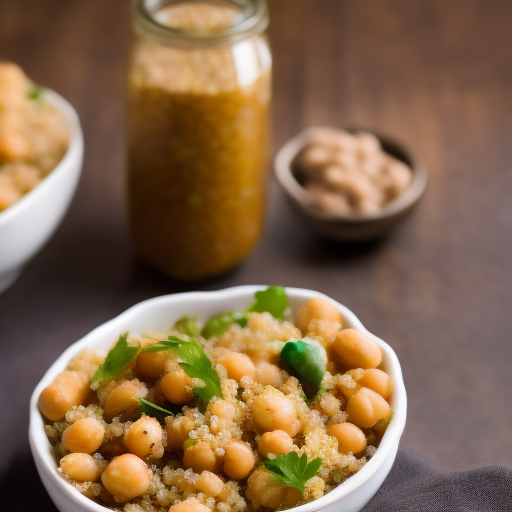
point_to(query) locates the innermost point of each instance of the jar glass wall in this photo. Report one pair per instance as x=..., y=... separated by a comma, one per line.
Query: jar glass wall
x=198, y=99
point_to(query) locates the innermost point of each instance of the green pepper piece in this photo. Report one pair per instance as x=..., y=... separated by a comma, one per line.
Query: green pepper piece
x=306, y=362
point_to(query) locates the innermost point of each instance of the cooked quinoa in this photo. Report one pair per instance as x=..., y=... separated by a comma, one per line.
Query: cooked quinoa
x=34, y=135
x=218, y=454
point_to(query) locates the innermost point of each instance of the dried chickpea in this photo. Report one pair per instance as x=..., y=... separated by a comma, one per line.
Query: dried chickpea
x=223, y=409
x=123, y=398
x=81, y=467
x=237, y=365
x=354, y=349
x=316, y=309
x=350, y=438
x=200, y=457
x=366, y=408
x=378, y=381
x=273, y=411
x=209, y=483
x=238, y=461
x=268, y=374
x=84, y=436
x=176, y=386
x=151, y=365
x=126, y=477
x=144, y=437
x=177, y=432
x=266, y=491
x=69, y=388
x=277, y=442
x=189, y=505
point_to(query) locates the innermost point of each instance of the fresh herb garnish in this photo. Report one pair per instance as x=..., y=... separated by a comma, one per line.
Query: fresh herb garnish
x=188, y=326
x=35, y=92
x=272, y=300
x=292, y=470
x=195, y=363
x=151, y=409
x=306, y=362
x=119, y=357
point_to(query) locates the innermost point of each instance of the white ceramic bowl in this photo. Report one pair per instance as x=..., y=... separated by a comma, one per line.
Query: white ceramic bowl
x=159, y=314
x=350, y=229
x=29, y=223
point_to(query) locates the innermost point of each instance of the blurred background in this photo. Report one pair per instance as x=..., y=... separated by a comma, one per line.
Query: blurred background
x=434, y=74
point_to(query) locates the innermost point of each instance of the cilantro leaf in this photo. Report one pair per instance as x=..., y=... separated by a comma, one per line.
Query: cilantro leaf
x=119, y=357
x=188, y=326
x=220, y=324
x=35, y=92
x=306, y=363
x=151, y=409
x=195, y=363
x=272, y=300
x=292, y=470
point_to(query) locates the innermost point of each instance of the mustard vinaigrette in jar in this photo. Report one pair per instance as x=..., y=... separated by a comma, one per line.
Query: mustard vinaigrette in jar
x=199, y=90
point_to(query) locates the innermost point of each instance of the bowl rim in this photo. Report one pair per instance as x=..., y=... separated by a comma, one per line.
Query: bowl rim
x=284, y=175
x=41, y=448
x=75, y=147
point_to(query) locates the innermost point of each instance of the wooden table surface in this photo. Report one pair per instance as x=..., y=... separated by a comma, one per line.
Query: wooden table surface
x=436, y=74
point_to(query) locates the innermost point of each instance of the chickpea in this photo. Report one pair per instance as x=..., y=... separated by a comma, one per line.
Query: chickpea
x=263, y=490
x=351, y=439
x=86, y=362
x=123, y=398
x=200, y=457
x=273, y=411
x=144, y=437
x=210, y=484
x=356, y=350
x=13, y=87
x=126, y=477
x=378, y=381
x=174, y=387
x=177, y=432
x=84, y=436
x=223, y=409
x=277, y=442
x=317, y=309
x=81, y=467
x=268, y=374
x=69, y=388
x=189, y=505
x=150, y=365
x=238, y=461
x=237, y=365
x=366, y=408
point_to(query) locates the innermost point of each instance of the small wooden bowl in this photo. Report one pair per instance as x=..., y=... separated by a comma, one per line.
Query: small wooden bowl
x=350, y=229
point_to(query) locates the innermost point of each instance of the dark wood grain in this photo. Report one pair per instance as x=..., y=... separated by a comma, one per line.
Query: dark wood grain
x=435, y=74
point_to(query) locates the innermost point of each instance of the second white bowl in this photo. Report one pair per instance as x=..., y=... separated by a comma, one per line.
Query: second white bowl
x=159, y=314
x=29, y=223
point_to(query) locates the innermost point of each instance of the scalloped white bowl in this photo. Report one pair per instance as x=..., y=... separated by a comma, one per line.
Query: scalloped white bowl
x=159, y=314
x=28, y=224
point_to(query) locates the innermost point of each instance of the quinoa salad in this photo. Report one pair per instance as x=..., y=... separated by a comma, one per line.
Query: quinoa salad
x=34, y=135
x=254, y=410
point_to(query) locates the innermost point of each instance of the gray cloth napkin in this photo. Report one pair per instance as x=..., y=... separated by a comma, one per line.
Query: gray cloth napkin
x=416, y=486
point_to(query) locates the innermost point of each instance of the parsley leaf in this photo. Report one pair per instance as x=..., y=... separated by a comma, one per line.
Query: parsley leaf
x=292, y=470
x=195, y=363
x=151, y=409
x=272, y=300
x=119, y=357
x=188, y=326
x=35, y=92
x=220, y=324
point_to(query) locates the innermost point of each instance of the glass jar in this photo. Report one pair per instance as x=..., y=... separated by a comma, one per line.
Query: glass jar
x=198, y=98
